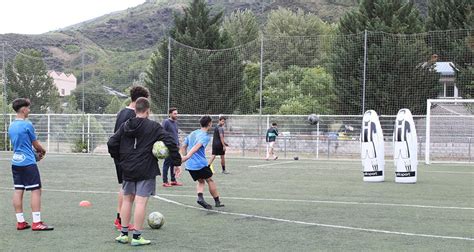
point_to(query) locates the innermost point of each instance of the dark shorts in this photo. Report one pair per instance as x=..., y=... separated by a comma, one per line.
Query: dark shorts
x=204, y=173
x=119, y=171
x=143, y=188
x=218, y=150
x=26, y=177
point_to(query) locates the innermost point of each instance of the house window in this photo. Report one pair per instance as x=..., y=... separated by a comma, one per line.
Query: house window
x=449, y=91
x=63, y=92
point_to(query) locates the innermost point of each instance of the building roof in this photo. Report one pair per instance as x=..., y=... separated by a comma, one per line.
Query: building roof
x=446, y=68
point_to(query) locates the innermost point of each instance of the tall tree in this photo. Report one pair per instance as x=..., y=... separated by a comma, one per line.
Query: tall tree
x=393, y=80
x=295, y=38
x=28, y=78
x=203, y=78
x=242, y=27
x=452, y=22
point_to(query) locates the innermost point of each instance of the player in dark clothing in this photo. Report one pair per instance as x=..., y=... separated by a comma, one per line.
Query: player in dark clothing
x=132, y=145
x=171, y=126
x=218, y=144
x=271, y=135
x=122, y=116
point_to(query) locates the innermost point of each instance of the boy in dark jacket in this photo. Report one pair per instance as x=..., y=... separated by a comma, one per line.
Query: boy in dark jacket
x=132, y=145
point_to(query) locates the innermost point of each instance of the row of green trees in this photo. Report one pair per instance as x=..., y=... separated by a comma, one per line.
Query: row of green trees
x=301, y=74
x=300, y=77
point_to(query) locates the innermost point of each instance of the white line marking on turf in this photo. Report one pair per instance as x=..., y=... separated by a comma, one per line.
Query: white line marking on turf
x=316, y=224
x=275, y=200
x=277, y=163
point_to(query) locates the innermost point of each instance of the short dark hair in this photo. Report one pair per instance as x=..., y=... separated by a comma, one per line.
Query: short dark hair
x=20, y=103
x=222, y=118
x=171, y=110
x=138, y=91
x=205, y=120
x=141, y=105
x=274, y=124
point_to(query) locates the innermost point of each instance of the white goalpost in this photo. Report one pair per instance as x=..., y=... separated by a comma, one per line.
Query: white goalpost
x=449, y=130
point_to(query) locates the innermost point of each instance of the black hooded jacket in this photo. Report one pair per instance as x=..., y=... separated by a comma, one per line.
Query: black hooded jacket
x=132, y=145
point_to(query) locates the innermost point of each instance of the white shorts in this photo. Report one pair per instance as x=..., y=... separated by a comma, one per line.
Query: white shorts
x=270, y=144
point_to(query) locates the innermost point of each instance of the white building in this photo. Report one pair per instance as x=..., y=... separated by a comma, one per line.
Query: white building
x=65, y=83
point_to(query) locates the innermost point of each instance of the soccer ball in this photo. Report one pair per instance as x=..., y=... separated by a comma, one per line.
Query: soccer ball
x=156, y=220
x=160, y=150
x=313, y=119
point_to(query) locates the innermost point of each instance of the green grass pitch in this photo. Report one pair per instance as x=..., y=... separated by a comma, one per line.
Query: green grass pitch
x=281, y=205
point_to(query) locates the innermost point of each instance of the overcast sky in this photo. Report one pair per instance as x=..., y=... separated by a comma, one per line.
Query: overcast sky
x=40, y=16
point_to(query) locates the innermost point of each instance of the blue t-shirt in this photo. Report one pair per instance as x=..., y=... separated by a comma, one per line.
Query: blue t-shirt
x=198, y=159
x=22, y=135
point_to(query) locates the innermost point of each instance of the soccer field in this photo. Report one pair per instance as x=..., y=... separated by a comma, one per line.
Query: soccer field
x=282, y=205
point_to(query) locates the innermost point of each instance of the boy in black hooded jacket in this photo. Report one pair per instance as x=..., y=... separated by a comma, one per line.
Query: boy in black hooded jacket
x=132, y=145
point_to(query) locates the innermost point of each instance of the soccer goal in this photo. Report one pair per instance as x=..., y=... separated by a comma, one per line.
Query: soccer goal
x=449, y=130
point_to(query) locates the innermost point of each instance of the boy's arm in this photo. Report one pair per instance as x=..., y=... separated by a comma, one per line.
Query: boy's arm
x=267, y=137
x=39, y=148
x=114, y=143
x=221, y=135
x=192, y=151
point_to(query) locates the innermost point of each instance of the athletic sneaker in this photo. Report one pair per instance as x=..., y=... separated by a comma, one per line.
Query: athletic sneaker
x=225, y=172
x=204, y=204
x=40, y=226
x=176, y=183
x=22, y=225
x=167, y=184
x=122, y=239
x=219, y=204
x=140, y=241
x=275, y=158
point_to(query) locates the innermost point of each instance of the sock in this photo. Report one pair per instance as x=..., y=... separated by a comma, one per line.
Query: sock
x=223, y=168
x=124, y=230
x=200, y=197
x=118, y=216
x=36, y=217
x=136, y=234
x=216, y=199
x=20, y=217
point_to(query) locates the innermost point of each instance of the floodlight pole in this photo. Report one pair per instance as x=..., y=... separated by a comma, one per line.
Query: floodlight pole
x=169, y=75
x=4, y=95
x=83, y=84
x=365, y=70
x=261, y=87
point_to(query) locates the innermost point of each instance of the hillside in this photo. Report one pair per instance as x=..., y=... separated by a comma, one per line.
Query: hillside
x=118, y=45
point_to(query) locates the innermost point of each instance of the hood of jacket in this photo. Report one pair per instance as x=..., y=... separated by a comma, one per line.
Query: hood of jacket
x=132, y=127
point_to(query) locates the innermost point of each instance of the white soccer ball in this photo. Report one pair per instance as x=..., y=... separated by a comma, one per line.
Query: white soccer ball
x=156, y=220
x=160, y=150
x=313, y=119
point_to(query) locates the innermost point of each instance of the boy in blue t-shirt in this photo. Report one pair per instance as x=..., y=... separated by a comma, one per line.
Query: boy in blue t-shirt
x=197, y=165
x=24, y=169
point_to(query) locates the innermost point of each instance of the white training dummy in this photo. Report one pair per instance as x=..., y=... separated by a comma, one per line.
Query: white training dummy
x=372, y=148
x=405, y=147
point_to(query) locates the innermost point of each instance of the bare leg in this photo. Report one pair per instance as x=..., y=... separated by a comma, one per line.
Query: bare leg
x=120, y=199
x=140, y=210
x=126, y=209
x=212, y=187
x=222, y=160
x=18, y=201
x=200, y=186
x=36, y=200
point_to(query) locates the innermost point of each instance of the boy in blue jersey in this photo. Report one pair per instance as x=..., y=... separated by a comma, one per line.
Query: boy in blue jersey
x=25, y=172
x=197, y=165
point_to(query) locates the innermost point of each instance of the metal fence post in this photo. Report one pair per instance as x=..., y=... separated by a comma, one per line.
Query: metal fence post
x=243, y=145
x=88, y=132
x=329, y=145
x=469, y=149
x=49, y=131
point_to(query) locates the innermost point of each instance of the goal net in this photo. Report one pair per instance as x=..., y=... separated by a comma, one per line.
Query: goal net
x=449, y=130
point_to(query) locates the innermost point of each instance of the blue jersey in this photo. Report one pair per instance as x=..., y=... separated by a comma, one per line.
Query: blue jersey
x=22, y=135
x=198, y=159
